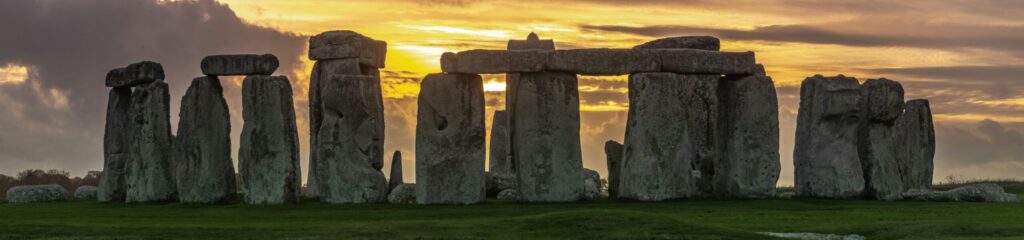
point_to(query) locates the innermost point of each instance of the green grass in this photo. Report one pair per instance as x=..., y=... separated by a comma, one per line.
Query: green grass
x=695, y=219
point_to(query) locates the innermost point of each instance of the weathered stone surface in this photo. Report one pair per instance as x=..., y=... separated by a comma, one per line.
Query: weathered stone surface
x=150, y=173
x=241, y=64
x=347, y=143
x=116, y=146
x=479, y=61
x=395, y=178
x=532, y=42
x=204, y=170
x=690, y=42
x=322, y=70
x=879, y=147
x=919, y=141
x=544, y=127
x=500, y=167
x=706, y=62
x=529, y=60
x=599, y=61
x=670, y=136
x=37, y=193
x=749, y=134
x=402, y=194
x=135, y=74
x=613, y=154
x=982, y=192
x=826, y=160
x=759, y=70
x=86, y=193
x=450, y=140
x=591, y=184
x=603, y=61
x=348, y=44
x=268, y=154
x=508, y=195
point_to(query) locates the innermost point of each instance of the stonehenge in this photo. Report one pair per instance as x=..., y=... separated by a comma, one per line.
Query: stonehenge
x=348, y=149
x=205, y=172
x=450, y=140
x=150, y=171
x=268, y=156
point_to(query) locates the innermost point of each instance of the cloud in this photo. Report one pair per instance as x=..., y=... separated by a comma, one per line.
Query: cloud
x=986, y=149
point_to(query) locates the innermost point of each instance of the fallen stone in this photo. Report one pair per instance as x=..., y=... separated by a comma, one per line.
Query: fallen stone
x=544, y=123
x=348, y=144
x=613, y=153
x=403, y=194
x=395, y=178
x=37, y=193
x=814, y=236
x=982, y=192
x=591, y=184
x=348, y=44
x=880, y=148
x=509, y=195
x=787, y=195
x=205, y=172
x=532, y=42
x=86, y=193
x=450, y=140
x=135, y=74
x=706, y=62
x=919, y=141
x=116, y=146
x=244, y=64
x=826, y=157
x=749, y=134
x=268, y=154
x=322, y=70
x=689, y=42
x=669, y=133
x=150, y=173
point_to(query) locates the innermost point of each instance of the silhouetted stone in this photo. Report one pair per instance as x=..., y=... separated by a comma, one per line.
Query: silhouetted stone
x=880, y=148
x=532, y=42
x=347, y=143
x=690, y=42
x=919, y=136
x=205, y=172
x=395, y=178
x=599, y=61
x=613, y=154
x=150, y=173
x=37, y=193
x=982, y=192
x=509, y=195
x=591, y=184
x=86, y=192
x=116, y=146
x=749, y=134
x=242, y=64
x=450, y=140
x=706, y=62
x=268, y=154
x=826, y=159
x=500, y=168
x=135, y=74
x=348, y=44
x=402, y=194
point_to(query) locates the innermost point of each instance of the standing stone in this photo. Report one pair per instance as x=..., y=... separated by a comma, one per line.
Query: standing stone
x=670, y=135
x=613, y=153
x=347, y=143
x=499, y=166
x=919, y=134
x=395, y=178
x=880, y=149
x=749, y=134
x=268, y=154
x=116, y=146
x=205, y=173
x=450, y=140
x=826, y=159
x=591, y=184
x=150, y=173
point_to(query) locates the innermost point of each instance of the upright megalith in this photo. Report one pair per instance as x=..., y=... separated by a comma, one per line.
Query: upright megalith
x=117, y=139
x=749, y=133
x=919, y=144
x=135, y=74
x=268, y=154
x=347, y=145
x=150, y=172
x=880, y=149
x=669, y=134
x=242, y=64
x=499, y=167
x=204, y=172
x=613, y=155
x=450, y=140
x=826, y=157
x=395, y=178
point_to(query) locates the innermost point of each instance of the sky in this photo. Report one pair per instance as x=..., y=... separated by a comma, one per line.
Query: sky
x=966, y=57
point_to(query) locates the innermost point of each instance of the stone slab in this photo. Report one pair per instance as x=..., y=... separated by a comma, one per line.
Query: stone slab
x=826, y=157
x=268, y=154
x=150, y=171
x=749, y=134
x=116, y=146
x=708, y=43
x=204, y=170
x=135, y=74
x=918, y=133
x=450, y=140
x=348, y=144
x=241, y=64
x=348, y=44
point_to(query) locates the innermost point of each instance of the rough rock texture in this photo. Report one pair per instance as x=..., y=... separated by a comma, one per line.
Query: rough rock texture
x=347, y=144
x=86, y=193
x=348, y=44
x=544, y=127
x=595, y=61
x=395, y=178
x=706, y=62
x=591, y=184
x=403, y=193
x=670, y=136
x=749, y=133
x=243, y=64
x=135, y=74
x=599, y=61
x=691, y=42
x=814, y=236
x=825, y=156
x=509, y=195
x=268, y=154
x=150, y=173
x=37, y=193
x=116, y=146
x=532, y=42
x=450, y=140
x=982, y=192
x=613, y=153
x=919, y=136
x=499, y=165
x=204, y=170
x=880, y=147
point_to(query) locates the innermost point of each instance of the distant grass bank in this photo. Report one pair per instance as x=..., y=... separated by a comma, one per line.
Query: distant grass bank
x=695, y=219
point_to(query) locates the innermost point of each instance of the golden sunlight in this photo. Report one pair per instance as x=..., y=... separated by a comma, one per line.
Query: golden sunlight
x=494, y=86
x=12, y=73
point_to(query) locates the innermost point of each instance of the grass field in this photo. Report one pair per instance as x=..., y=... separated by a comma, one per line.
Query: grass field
x=694, y=219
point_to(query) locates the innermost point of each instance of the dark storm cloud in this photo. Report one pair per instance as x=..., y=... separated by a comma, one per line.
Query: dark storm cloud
x=68, y=47
x=983, y=142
